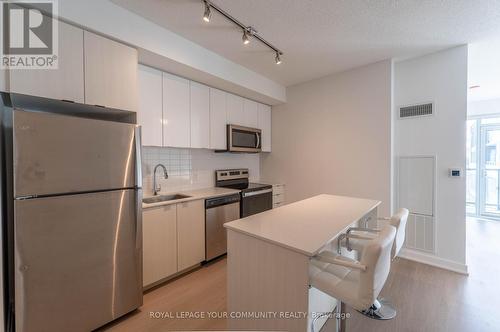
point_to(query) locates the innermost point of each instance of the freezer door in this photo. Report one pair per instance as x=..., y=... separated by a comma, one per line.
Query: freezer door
x=56, y=154
x=78, y=260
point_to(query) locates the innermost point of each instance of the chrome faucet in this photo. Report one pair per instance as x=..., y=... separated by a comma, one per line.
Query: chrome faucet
x=157, y=187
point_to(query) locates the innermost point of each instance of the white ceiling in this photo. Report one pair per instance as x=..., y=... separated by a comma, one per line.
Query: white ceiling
x=321, y=37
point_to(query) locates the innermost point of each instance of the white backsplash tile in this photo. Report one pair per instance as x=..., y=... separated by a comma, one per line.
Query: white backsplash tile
x=190, y=169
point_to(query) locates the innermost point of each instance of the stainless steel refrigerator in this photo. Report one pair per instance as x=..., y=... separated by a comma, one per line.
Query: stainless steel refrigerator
x=71, y=214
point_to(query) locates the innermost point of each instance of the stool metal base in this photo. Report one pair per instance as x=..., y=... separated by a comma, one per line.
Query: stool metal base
x=380, y=310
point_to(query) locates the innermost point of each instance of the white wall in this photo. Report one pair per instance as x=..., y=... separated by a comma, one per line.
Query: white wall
x=334, y=136
x=190, y=169
x=483, y=108
x=170, y=51
x=441, y=78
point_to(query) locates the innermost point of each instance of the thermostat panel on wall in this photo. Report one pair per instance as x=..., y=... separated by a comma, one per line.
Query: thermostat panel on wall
x=455, y=172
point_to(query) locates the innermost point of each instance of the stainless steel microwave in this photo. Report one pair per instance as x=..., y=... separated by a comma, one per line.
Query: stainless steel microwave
x=243, y=139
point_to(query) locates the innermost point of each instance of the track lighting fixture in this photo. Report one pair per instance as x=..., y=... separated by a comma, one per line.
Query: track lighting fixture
x=248, y=31
x=208, y=13
x=277, y=58
x=245, y=38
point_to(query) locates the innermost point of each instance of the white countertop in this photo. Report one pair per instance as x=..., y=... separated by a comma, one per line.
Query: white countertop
x=194, y=195
x=305, y=226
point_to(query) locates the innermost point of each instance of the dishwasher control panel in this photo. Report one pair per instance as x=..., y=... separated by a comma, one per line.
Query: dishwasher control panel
x=218, y=201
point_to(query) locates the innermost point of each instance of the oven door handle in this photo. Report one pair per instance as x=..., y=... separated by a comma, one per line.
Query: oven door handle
x=260, y=192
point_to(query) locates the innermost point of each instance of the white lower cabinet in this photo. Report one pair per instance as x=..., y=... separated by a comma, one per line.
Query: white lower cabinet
x=173, y=239
x=159, y=232
x=190, y=234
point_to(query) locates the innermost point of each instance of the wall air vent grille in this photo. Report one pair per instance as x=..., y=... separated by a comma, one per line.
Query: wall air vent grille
x=415, y=110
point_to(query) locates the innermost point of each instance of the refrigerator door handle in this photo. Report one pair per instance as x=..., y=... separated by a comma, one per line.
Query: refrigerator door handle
x=138, y=181
x=138, y=218
x=138, y=156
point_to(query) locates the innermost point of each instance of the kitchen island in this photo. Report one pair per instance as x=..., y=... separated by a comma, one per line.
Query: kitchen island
x=268, y=261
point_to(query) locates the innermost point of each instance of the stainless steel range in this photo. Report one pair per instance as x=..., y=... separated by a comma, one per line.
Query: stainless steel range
x=255, y=197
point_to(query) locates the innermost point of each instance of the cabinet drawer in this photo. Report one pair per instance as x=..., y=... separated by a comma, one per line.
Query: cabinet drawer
x=278, y=198
x=278, y=189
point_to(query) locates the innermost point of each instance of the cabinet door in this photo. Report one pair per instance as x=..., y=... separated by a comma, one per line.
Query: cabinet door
x=149, y=113
x=265, y=126
x=176, y=123
x=159, y=243
x=235, y=112
x=200, y=115
x=110, y=73
x=218, y=119
x=65, y=82
x=190, y=234
x=251, y=113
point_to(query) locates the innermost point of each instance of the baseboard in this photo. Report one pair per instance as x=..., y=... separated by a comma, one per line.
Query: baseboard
x=429, y=259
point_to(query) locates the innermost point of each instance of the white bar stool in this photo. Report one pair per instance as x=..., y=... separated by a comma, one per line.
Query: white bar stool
x=356, y=283
x=356, y=239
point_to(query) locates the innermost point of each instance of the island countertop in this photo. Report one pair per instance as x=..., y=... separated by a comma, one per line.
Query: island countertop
x=305, y=226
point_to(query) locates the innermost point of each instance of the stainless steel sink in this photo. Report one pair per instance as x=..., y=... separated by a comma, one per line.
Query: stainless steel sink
x=163, y=198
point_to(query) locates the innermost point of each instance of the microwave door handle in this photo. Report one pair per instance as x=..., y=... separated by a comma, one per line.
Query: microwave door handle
x=258, y=140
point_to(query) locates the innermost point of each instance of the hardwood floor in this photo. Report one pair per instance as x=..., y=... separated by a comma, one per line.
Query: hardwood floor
x=427, y=298
x=203, y=290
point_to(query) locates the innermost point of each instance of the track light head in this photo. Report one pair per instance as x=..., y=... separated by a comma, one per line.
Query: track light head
x=208, y=13
x=277, y=58
x=245, y=38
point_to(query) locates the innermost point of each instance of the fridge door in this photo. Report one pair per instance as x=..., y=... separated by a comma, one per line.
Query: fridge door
x=78, y=260
x=56, y=154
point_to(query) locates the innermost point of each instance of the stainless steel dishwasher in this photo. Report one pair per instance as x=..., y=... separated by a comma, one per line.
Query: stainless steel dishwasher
x=218, y=211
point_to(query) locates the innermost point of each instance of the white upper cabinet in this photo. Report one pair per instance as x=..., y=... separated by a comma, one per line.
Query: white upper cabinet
x=150, y=114
x=200, y=115
x=176, y=119
x=218, y=119
x=251, y=113
x=235, y=111
x=64, y=83
x=110, y=73
x=265, y=126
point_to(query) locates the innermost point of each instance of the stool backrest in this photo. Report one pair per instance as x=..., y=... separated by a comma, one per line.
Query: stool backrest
x=376, y=256
x=399, y=221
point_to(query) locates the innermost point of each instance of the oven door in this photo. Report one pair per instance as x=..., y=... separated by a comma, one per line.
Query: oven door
x=256, y=202
x=243, y=139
